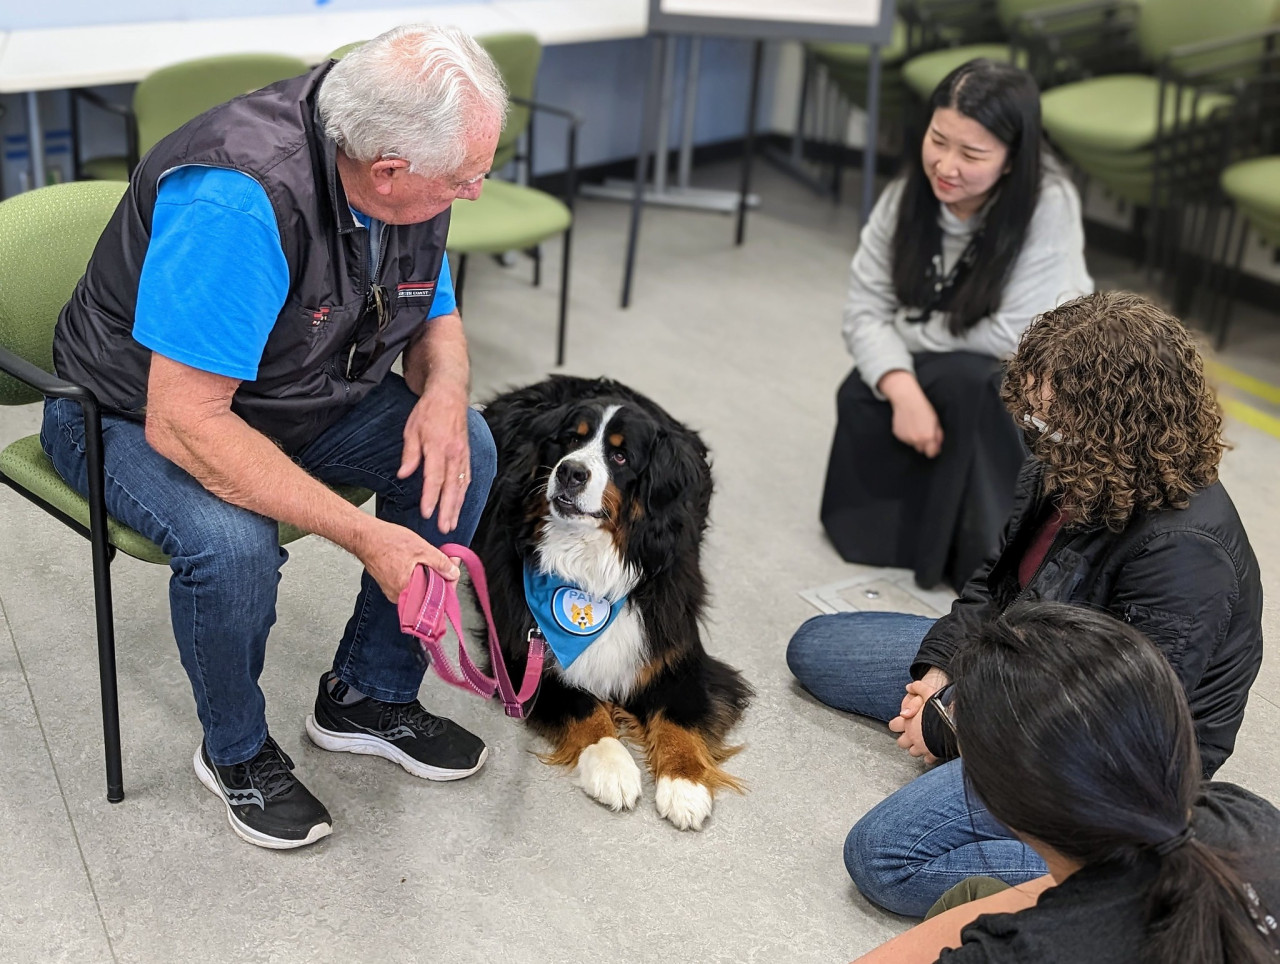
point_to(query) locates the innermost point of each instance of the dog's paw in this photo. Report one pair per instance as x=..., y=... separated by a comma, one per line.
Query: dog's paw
x=685, y=803
x=607, y=772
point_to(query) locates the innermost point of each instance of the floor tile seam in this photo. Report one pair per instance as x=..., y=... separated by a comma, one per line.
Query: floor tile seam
x=57, y=779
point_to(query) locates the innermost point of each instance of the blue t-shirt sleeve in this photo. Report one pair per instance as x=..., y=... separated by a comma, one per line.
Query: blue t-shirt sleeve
x=444, y=301
x=214, y=277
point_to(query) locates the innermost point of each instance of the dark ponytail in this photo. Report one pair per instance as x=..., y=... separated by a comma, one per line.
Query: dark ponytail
x=1194, y=912
x=1077, y=734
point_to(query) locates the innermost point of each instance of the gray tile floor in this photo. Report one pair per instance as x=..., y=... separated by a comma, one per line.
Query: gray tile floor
x=516, y=863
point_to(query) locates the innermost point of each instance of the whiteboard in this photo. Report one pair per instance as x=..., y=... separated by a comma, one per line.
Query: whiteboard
x=864, y=21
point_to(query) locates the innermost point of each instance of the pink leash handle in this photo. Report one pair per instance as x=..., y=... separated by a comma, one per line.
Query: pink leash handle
x=430, y=599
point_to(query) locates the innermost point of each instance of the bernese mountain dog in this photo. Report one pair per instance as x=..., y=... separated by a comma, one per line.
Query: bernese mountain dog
x=592, y=535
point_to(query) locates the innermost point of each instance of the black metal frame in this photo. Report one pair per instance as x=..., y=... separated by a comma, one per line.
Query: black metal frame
x=130, y=128
x=102, y=550
x=1059, y=52
x=571, y=189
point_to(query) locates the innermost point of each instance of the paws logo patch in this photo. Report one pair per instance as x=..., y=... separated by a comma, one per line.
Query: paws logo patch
x=579, y=612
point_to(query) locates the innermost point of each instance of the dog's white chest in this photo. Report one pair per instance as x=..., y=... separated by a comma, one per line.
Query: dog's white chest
x=609, y=667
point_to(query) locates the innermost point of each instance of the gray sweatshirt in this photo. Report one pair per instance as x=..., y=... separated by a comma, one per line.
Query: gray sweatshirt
x=1049, y=270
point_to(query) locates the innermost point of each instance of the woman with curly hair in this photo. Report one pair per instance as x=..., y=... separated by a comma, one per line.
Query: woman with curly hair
x=1119, y=509
x=980, y=234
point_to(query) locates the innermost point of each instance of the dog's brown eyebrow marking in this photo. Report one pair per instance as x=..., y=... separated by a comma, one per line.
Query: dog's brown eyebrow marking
x=583, y=427
x=615, y=439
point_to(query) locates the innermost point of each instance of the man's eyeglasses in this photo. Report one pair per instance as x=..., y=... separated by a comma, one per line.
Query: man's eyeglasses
x=944, y=701
x=368, y=345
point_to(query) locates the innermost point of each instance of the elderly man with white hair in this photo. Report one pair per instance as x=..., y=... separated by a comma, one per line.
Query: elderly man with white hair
x=238, y=321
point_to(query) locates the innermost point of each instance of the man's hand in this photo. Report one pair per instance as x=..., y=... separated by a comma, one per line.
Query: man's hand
x=391, y=552
x=915, y=422
x=435, y=439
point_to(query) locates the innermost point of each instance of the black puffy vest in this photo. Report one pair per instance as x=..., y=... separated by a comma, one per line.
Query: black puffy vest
x=302, y=387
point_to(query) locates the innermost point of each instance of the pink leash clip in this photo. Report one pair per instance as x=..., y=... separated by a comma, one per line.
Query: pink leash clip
x=429, y=605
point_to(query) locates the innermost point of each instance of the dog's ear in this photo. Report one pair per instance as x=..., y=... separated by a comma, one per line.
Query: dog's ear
x=521, y=422
x=675, y=493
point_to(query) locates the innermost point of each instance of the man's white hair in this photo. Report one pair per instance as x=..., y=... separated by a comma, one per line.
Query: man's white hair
x=415, y=92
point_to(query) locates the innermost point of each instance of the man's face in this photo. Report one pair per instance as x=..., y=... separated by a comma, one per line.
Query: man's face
x=403, y=197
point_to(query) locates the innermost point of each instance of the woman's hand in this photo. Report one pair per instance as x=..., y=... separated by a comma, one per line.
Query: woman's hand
x=915, y=422
x=907, y=723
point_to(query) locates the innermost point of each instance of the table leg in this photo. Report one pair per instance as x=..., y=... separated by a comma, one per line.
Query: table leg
x=749, y=148
x=35, y=139
x=650, y=109
x=869, y=152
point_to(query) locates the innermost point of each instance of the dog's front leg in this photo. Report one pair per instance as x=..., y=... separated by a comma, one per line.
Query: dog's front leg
x=686, y=767
x=586, y=739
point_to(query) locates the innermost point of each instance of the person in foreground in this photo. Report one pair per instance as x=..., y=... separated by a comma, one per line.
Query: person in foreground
x=1120, y=509
x=238, y=321
x=1076, y=734
x=981, y=233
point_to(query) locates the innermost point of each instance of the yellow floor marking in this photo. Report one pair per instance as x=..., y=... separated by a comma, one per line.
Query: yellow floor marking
x=1246, y=383
x=1251, y=416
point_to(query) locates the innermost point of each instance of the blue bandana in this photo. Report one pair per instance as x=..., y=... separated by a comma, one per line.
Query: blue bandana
x=570, y=619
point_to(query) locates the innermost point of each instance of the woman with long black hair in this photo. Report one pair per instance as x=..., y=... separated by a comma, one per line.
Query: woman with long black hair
x=980, y=234
x=1075, y=733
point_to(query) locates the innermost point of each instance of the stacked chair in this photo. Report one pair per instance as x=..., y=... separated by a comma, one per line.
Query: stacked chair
x=1151, y=132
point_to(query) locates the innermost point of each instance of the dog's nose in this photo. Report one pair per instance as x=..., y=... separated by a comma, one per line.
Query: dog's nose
x=572, y=476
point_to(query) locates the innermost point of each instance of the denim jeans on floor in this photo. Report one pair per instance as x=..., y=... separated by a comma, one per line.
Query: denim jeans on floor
x=226, y=560
x=931, y=834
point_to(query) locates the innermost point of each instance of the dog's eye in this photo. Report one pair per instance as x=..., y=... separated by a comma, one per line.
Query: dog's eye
x=618, y=458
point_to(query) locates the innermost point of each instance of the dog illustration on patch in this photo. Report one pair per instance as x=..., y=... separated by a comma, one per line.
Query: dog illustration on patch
x=581, y=615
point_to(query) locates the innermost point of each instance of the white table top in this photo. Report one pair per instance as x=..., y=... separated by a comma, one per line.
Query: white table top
x=58, y=58
x=579, y=21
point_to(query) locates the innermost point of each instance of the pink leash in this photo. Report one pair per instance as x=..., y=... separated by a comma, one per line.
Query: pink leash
x=430, y=599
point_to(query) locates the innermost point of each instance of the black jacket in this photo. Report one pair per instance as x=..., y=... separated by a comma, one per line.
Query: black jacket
x=304, y=384
x=1187, y=578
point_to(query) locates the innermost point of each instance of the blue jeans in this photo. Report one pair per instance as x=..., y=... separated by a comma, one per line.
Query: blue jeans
x=226, y=560
x=933, y=833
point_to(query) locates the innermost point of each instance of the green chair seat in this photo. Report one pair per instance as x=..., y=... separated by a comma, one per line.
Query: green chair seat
x=24, y=461
x=924, y=73
x=1255, y=185
x=1117, y=113
x=507, y=217
x=838, y=55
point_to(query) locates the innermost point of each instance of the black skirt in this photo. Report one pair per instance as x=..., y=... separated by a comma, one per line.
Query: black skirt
x=885, y=504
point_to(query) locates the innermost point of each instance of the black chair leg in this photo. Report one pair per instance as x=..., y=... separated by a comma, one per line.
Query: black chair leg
x=564, y=295
x=1233, y=278
x=536, y=254
x=102, y=554
x=107, y=677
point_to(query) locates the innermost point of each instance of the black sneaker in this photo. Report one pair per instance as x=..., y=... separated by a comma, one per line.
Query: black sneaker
x=266, y=804
x=427, y=746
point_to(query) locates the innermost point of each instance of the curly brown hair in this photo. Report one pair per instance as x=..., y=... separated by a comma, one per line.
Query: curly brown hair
x=1140, y=428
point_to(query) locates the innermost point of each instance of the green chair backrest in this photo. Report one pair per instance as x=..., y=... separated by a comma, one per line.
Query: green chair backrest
x=1010, y=10
x=517, y=56
x=46, y=238
x=1165, y=24
x=346, y=49
x=169, y=97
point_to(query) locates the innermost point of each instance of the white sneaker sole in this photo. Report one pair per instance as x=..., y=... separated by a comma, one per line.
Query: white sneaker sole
x=246, y=833
x=370, y=745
